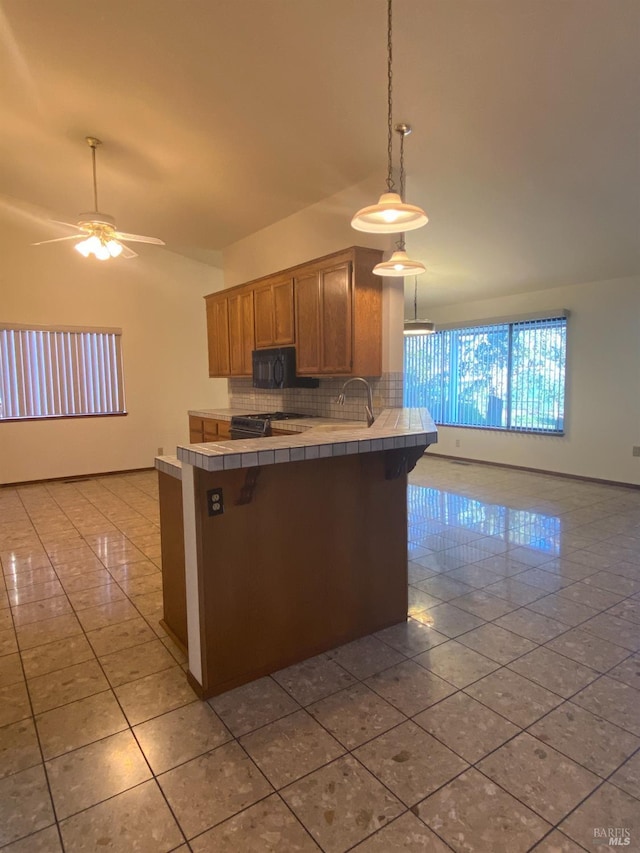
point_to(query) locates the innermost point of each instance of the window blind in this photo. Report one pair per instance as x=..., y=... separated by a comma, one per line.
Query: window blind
x=508, y=375
x=59, y=372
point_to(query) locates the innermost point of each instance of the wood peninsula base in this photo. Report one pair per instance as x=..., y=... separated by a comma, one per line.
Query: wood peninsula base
x=306, y=556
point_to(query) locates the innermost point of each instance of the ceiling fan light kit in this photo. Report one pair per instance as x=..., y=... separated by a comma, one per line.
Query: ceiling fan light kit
x=102, y=239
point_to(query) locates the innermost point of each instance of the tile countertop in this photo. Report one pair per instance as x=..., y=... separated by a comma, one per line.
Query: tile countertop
x=318, y=438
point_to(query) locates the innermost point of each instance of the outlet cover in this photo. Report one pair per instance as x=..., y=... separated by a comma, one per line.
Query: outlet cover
x=215, y=503
x=636, y=451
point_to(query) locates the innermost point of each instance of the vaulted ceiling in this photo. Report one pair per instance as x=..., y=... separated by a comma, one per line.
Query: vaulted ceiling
x=220, y=117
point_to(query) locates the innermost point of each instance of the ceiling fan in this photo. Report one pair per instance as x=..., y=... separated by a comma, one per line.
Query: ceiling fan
x=100, y=237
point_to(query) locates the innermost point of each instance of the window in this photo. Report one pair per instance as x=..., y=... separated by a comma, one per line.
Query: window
x=59, y=372
x=508, y=375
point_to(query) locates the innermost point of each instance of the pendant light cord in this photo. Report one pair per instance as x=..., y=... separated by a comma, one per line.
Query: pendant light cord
x=390, y=182
x=415, y=298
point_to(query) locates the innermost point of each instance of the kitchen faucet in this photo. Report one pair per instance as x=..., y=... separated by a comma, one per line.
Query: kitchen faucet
x=369, y=407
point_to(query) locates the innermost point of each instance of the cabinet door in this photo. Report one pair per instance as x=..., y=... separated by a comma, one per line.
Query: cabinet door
x=196, y=430
x=282, y=312
x=218, y=336
x=273, y=305
x=307, y=293
x=241, y=335
x=336, y=319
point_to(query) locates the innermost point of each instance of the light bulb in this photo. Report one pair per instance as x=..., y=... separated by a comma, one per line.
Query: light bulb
x=390, y=215
x=102, y=253
x=83, y=247
x=114, y=248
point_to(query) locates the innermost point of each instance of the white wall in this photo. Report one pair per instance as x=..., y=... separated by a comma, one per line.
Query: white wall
x=603, y=384
x=311, y=233
x=157, y=301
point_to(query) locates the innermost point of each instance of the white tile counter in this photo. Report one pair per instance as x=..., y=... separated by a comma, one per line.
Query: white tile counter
x=315, y=438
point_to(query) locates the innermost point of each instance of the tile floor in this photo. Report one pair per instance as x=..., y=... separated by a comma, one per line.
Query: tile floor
x=504, y=716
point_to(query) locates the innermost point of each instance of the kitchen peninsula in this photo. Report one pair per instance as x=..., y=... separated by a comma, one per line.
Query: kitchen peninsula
x=294, y=544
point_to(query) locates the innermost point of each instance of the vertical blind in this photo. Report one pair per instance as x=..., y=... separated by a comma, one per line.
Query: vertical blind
x=498, y=376
x=59, y=372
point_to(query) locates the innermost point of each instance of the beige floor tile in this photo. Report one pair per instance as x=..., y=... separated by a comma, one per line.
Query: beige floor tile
x=608, y=807
x=628, y=609
x=616, y=702
x=365, y=657
x=313, y=679
x=449, y=620
x=483, y=604
x=95, y=596
x=532, y=626
x=591, y=596
x=109, y=614
x=14, y=703
x=137, y=820
x=591, y=741
x=133, y=570
x=93, y=773
x=154, y=694
x=66, y=685
x=614, y=630
x=557, y=842
x=443, y=587
x=124, y=635
x=213, y=787
x=341, y=804
x=516, y=698
x=628, y=672
x=79, y=723
x=35, y=592
x=6, y=622
x=456, y=663
x=614, y=583
x=514, y=591
x=90, y=580
x=267, y=827
x=410, y=687
x=18, y=747
x=47, y=631
x=410, y=762
x=405, y=833
x=465, y=726
x=57, y=655
x=420, y=600
x=555, y=672
x=585, y=648
x=130, y=664
x=10, y=669
x=253, y=705
x=25, y=804
x=180, y=735
x=45, y=841
x=564, y=610
x=475, y=575
x=36, y=611
x=8, y=642
x=411, y=637
x=542, y=778
x=290, y=748
x=356, y=715
x=475, y=816
x=628, y=776
x=28, y=580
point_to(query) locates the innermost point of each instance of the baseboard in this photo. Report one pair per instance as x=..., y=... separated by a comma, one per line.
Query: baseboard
x=70, y=478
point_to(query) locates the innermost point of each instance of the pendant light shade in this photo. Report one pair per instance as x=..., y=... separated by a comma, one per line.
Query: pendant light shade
x=399, y=264
x=391, y=214
x=415, y=326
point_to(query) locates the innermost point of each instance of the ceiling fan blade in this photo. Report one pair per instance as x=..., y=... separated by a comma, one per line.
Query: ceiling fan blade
x=58, y=239
x=68, y=224
x=127, y=252
x=138, y=238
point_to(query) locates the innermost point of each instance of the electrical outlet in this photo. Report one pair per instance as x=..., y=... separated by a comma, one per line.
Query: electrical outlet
x=457, y=442
x=636, y=451
x=215, y=504
x=160, y=451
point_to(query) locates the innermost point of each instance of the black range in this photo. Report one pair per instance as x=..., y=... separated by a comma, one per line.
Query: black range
x=259, y=426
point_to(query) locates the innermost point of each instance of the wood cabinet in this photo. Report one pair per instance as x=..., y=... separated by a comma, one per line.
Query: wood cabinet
x=207, y=429
x=330, y=309
x=218, y=334
x=273, y=305
x=241, y=333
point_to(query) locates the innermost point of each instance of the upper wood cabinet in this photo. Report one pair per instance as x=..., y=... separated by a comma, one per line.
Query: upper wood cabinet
x=329, y=308
x=218, y=334
x=273, y=306
x=241, y=333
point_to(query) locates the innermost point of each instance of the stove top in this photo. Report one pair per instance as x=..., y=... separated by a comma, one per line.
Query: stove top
x=276, y=416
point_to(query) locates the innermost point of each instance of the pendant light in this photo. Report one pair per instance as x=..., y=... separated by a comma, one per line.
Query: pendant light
x=391, y=214
x=415, y=326
x=400, y=264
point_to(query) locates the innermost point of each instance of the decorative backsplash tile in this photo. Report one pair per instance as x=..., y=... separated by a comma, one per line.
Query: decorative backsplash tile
x=386, y=390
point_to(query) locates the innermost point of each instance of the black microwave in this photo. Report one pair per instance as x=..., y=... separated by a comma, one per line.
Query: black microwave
x=276, y=368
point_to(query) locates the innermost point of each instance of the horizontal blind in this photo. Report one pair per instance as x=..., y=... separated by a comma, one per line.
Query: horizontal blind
x=496, y=376
x=53, y=373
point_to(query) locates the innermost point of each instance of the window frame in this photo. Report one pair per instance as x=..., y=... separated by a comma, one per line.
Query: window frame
x=73, y=377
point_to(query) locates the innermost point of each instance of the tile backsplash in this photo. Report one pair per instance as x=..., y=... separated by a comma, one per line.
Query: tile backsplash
x=386, y=390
